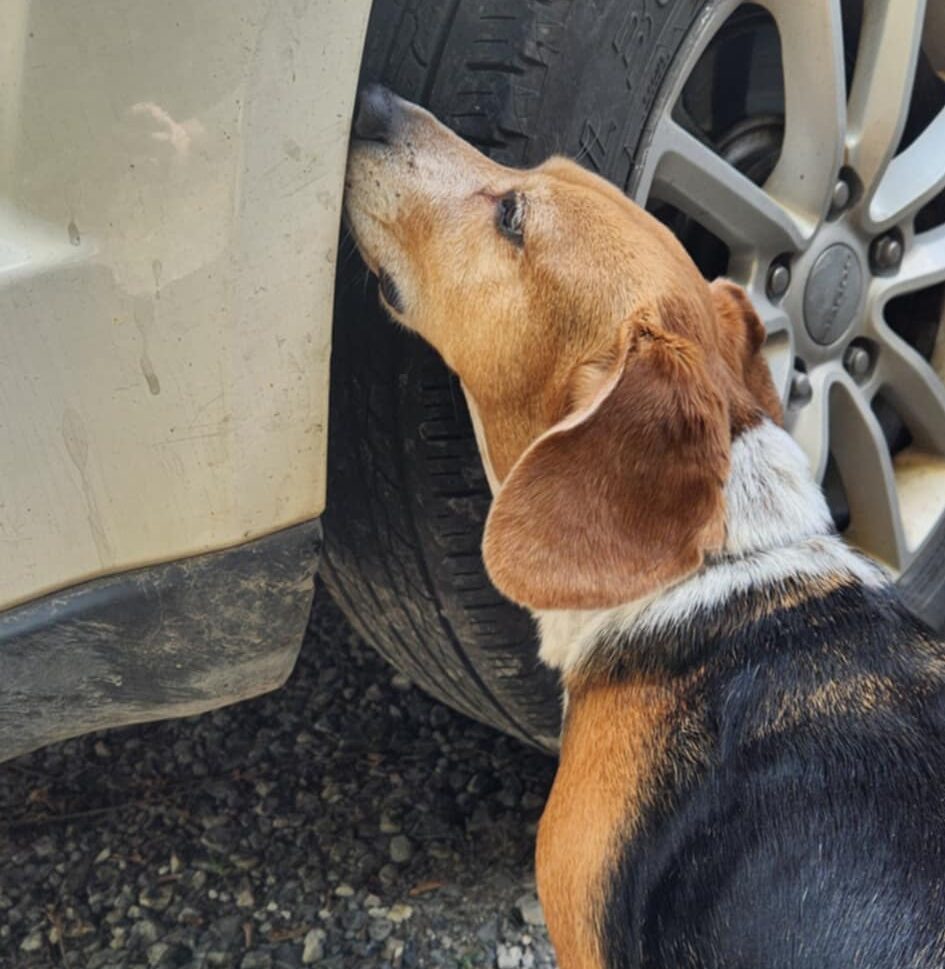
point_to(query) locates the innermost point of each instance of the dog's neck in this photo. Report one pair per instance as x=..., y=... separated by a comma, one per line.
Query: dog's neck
x=778, y=533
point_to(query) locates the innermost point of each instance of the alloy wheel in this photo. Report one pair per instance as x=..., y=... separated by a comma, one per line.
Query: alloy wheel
x=800, y=149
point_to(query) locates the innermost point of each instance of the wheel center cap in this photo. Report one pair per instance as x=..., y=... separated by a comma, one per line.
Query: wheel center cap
x=832, y=296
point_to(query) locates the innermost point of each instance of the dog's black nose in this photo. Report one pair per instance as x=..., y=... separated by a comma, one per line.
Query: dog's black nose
x=374, y=119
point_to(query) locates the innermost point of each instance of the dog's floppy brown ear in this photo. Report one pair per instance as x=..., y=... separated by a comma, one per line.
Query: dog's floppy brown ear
x=622, y=497
x=742, y=337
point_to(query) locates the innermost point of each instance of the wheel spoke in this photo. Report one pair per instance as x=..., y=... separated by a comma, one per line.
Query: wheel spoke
x=882, y=86
x=775, y=319
x=779, y=347
x=814, y=103
x=912, y=387
x=866, y=469
x=911, y=178
x=689, y=175
x=811, y=425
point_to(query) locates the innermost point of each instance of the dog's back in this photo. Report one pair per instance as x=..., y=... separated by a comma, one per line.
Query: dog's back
x=794, y=805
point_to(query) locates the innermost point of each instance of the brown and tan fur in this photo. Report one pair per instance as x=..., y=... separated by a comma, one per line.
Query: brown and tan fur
x=594, y=803
x=597, y=361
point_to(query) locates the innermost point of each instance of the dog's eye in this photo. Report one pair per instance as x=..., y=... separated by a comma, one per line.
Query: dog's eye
x=390, y=292
x=510, y=217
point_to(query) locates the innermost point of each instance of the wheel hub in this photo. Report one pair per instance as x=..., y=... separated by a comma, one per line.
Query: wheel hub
x=833, y=292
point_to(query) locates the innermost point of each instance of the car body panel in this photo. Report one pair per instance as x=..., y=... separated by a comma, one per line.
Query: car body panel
x=170, y=191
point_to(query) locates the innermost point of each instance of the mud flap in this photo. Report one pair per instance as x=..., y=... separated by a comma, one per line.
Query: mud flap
x=170, y=640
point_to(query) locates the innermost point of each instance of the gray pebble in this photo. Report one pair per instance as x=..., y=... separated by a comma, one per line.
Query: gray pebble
x=508, y=957
x=144, y=933
x=380, y=929
x=313, y=948
x=33, y=942
x=401, y=849
x=530, y=909
x=157, y=952
x=256, y=960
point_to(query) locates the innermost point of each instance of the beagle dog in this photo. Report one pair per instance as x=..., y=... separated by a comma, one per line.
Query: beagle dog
x=752, y=770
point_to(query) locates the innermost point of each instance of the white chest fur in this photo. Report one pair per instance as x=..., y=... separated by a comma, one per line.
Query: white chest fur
x=778, y=528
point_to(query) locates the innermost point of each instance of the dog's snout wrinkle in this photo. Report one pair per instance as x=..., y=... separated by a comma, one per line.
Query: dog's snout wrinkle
x=375, y=118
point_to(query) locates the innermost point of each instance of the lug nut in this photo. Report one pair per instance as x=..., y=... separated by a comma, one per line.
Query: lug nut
x=841, y=196
x=886, y=253
x=857, y=361
x=801, y=390
x=779, y=278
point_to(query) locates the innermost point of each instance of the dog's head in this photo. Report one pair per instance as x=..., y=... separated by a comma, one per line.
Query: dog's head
x=606, y=377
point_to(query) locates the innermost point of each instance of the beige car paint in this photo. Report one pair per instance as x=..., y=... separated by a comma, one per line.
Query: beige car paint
x=170, y=190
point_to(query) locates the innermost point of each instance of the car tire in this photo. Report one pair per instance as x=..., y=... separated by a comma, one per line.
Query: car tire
x=407, y=497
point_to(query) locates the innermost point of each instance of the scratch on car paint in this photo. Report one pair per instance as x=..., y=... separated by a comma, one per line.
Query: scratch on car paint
x=147, y=368
x=144, y=315
x=77, y=446
x=316, y=177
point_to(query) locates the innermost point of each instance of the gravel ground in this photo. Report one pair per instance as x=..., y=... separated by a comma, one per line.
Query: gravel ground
x=346, y=821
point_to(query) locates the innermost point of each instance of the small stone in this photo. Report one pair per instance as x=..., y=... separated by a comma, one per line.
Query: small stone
x=313, y=948
x=388, y=825
x=189, y=916
x=256, y=960
x=480, y=783
x=530, y=909
x=101, y=750
x=102, y=856
x=157, y=898
x=44, y=847
x=245, y=897
x=144, y=932
x=354, y=920
x=400, y=683
x=401, y=849
x=344, y=891
x=508, y=957
x=33, y=942
x=157, y=952
x=394, y=950
x=227, y=929
x=380, y=929
x=371, y=901
x=399, y=913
